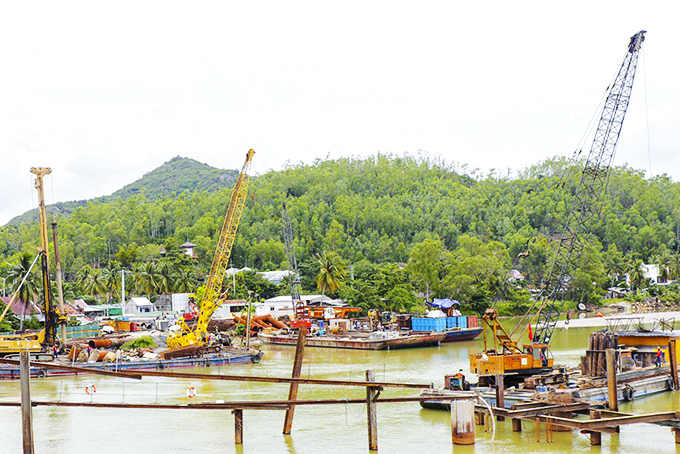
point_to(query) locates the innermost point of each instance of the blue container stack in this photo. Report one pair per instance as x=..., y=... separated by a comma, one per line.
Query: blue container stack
x=428, y=324
x=462, y=321
x=451, y=322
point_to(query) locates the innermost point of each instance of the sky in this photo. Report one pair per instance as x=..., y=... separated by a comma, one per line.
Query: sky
x=105, y=92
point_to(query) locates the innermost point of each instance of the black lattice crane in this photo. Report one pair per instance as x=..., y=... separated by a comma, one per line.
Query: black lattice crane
x=505, y=355
x=590, y=189
x=294, y=277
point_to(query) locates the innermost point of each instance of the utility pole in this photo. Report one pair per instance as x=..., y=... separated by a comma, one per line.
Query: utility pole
x=122, y=273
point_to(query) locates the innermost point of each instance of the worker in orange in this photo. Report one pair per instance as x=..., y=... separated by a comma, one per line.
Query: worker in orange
x=659, y=357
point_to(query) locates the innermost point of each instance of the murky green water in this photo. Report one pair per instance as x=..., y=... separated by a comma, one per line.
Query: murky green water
x=402, y=427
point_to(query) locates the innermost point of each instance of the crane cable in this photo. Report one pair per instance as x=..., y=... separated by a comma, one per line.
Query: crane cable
x=567, y=172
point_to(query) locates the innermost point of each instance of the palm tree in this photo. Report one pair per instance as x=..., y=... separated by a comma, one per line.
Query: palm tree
x=615, y=269
x=29, y=290
x=112, y=281
x=146, y=278
x=636, y=272
x=93, y=281
x=665, y=262
x=166, y=277
x=185, y=281
x=331, y=272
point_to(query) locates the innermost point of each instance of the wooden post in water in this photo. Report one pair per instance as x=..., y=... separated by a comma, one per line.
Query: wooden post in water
x=612, y=394
x=500, y=395
x=297, y=368
x=371, y=393
x=676, y=432
x=516, y=425
x=26, y=409
x=463, y=421
x=673, y=360
x=238, y=426
x=595, y=437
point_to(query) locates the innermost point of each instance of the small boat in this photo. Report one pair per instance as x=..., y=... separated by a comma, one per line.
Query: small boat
x=224, y=358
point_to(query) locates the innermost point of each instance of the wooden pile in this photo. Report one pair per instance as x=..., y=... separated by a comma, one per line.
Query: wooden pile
x=594, y=364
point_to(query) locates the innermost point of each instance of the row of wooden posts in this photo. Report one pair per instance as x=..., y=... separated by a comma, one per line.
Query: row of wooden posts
x=463, y=404
x=558, y=417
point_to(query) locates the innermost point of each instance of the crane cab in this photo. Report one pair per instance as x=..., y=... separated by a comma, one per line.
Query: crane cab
x=533, y=359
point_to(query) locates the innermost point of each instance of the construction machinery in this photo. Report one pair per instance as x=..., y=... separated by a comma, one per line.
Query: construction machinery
x=212, y=296
x=505, y=354
x=301, y=314
x=41, y=341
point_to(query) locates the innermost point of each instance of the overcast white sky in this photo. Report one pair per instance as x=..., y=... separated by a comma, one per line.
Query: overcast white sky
x=105, y=92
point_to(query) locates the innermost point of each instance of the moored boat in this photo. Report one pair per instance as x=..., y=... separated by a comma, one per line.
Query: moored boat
x=379, y=340
x=224, y=358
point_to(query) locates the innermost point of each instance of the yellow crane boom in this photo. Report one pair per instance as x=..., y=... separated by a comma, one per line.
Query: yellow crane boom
x=212, y=295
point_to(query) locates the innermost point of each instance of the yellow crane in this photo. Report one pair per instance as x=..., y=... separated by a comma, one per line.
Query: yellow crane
x=212, y=296
x=36, y=342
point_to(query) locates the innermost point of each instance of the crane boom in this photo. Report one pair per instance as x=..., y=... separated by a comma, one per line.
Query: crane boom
x=505, y=355
x=211, y=298
x=591, y=186
x=290, y=254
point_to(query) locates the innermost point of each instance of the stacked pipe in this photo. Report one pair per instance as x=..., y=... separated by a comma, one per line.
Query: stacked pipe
x=594, y=364
x=260, y=322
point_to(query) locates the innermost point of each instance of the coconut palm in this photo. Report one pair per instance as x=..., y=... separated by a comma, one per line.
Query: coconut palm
x=615, y=268
x=185, y=281
x=331, y=272
x=112, y=281
x=146, y=278
x=636, y=272
x=665, y=262
x=92, y=281
x=29, y=289
x=166, y=277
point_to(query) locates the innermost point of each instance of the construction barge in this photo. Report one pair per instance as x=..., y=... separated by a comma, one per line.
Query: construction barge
x=379, y=340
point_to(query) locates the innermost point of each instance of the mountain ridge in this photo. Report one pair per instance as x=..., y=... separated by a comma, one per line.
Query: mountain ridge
x=177, y=175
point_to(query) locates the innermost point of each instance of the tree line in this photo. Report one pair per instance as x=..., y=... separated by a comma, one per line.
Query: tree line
x=397, y=230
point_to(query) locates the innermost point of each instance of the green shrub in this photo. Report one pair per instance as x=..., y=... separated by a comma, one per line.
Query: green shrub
x=141, y=342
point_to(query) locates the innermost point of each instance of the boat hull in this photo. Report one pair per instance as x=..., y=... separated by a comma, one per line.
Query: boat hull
x=411, y=341
x=217, y=359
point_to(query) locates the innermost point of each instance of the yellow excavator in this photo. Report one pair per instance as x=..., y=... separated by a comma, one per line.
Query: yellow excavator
x=212, y=295
x=40, y=342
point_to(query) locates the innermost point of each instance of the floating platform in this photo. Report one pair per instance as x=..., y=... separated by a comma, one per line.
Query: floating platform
x=224, y=358
x=379, y=340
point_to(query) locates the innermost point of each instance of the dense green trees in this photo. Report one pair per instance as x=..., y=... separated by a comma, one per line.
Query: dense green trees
x=454, y=235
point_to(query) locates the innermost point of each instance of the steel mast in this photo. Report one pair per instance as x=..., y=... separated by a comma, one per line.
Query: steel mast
x=591, y=186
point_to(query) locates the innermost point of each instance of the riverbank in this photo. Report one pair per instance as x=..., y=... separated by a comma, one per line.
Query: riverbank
x=595, y=322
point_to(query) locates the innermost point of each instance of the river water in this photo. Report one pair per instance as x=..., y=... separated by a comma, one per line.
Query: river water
x=402, y=427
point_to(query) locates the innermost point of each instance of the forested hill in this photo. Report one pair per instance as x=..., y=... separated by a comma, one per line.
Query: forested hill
x=175, y=176
x=460, y=235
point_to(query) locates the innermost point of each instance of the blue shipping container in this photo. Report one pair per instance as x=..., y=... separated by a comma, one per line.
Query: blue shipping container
x=462, y=321
x=428, y=324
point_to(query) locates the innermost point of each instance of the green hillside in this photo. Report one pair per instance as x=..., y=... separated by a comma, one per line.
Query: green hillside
x=402, y=226
x=175, y=176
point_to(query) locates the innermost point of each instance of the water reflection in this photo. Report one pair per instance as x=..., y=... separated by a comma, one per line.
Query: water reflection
x=402, y=428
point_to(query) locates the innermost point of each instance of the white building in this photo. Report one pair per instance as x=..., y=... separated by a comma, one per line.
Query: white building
x=650, y=271
x=280, y=306
x=180, y=303
x=138, y=306
x=188, y=249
